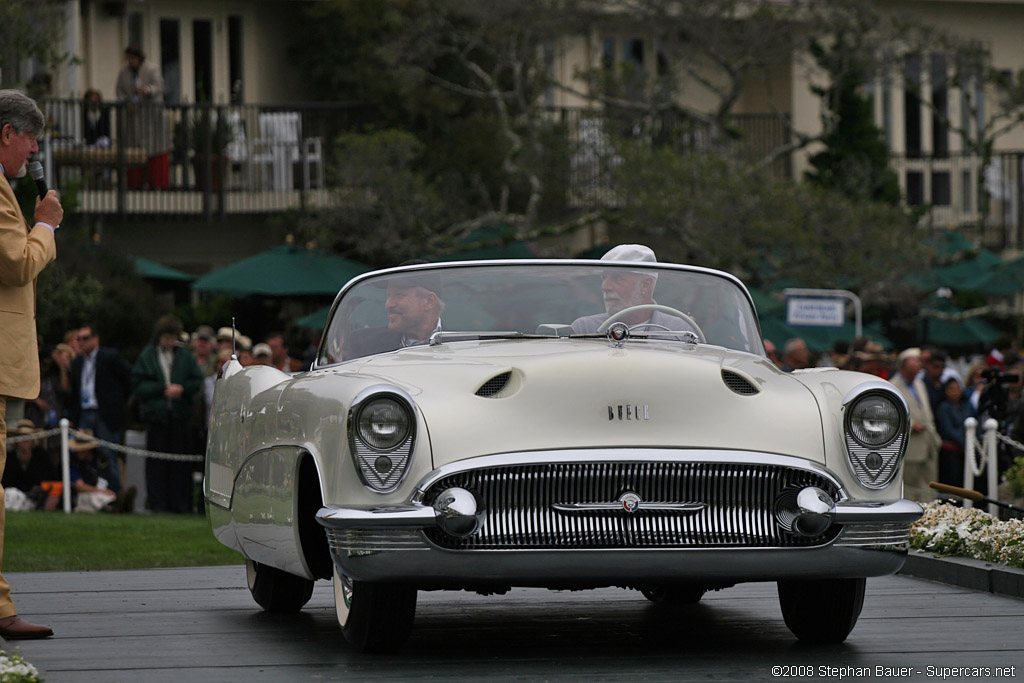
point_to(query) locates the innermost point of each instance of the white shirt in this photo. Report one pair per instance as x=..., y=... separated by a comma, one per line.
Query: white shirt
x=89, y=380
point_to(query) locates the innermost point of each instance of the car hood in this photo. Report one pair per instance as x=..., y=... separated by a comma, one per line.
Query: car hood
x=576, y=394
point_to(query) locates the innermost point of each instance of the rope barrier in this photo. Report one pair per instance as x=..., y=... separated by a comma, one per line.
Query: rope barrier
x=67, y=433
x=1010, y=442
x=128, y=450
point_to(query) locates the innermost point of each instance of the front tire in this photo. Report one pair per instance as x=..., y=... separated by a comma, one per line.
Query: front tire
x=275, y=590
x=374, y=617
x=821, y=611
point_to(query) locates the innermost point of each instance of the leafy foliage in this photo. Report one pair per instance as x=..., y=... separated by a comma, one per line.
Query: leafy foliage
x=30, y=28
x=856, y=159
x=717, y=211
x=90, y=283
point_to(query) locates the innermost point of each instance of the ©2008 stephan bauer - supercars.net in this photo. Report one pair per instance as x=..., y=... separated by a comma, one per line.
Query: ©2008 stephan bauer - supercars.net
x=565, y=424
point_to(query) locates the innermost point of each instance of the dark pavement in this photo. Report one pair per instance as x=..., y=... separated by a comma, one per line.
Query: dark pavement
x=201, y=625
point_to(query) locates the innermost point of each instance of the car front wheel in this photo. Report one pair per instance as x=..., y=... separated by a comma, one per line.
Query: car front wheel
x=374, y=617
x=823, y=610
x=275, y=590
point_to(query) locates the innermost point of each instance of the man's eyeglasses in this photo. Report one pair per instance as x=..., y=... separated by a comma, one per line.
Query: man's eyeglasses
x=85, y=337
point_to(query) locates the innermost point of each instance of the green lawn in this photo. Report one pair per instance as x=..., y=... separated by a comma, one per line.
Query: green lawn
x=55, y=541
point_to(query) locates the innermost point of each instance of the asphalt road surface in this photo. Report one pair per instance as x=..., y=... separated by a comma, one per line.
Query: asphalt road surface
x=200, y=625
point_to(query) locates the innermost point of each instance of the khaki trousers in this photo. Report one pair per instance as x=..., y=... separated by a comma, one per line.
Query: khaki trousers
x=7, y=608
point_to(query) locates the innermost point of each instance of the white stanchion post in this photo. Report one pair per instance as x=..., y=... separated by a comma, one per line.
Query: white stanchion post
x=971, y=431
x=991, y=463
x=65, y=463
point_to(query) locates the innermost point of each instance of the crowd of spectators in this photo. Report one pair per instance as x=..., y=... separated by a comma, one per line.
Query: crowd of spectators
x=941, y=393
x=166, y=392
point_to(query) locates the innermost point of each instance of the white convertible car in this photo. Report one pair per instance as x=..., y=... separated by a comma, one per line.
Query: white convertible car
x=562, y=424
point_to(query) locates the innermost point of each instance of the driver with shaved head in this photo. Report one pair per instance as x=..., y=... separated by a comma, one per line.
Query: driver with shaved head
x=623, y=289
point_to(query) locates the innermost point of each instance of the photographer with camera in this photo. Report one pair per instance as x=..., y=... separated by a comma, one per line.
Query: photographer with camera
x=922, y=459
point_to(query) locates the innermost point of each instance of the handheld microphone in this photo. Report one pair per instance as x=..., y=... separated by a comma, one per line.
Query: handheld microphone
x=35, y=169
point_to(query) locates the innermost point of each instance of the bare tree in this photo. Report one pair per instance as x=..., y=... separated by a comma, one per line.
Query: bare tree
x=30, y=29
x=492, y=53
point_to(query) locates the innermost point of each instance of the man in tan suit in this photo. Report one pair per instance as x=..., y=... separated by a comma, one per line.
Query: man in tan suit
x=922, y=459
x=24, y=251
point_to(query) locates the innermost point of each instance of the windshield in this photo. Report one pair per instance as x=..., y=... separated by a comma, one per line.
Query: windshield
x=401, y=308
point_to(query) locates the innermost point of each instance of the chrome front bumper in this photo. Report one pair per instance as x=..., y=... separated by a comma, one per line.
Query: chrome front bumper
x=621, y=517
x=389, y=543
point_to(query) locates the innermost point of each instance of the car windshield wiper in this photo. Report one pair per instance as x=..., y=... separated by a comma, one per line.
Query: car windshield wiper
x=439, y=338
x=685, y=336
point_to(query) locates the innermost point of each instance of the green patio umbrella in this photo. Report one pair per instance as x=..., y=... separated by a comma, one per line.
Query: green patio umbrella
x=1007, y=278
x=317, y=320
x=157, y=271
x=943, y=331
x=958, y=275
x=949, y=243
x=494, y=241
x=285, y=270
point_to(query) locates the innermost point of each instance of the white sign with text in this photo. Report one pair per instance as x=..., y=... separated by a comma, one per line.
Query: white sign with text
x=815, y=311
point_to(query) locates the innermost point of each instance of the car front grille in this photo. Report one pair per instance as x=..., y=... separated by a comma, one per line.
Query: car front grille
x=525, y=506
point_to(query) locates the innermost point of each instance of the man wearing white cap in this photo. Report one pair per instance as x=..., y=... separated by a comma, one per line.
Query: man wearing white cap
x=622, y=289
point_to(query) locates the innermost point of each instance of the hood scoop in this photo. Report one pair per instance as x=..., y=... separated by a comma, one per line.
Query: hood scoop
x=492, y=387
x=739, y=384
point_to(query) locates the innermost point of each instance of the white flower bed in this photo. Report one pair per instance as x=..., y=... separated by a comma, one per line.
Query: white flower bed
x=950, y=530
x=14, y=669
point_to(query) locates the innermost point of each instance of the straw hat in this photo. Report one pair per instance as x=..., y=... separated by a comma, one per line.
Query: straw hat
x=26, y=426
x=82, y=441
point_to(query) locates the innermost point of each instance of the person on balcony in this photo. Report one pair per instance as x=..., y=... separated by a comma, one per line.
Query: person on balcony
x=95, y=119
x=141, y=87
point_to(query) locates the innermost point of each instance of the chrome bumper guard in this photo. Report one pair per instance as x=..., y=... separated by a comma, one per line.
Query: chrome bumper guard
x=374, y=544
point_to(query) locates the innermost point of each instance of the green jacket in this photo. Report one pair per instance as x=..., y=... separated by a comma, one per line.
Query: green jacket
x=148, y=383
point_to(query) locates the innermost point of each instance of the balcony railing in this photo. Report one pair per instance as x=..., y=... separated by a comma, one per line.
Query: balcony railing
x=193, y=160
x=210, y=161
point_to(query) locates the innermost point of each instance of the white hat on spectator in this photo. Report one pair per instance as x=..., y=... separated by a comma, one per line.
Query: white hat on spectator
x=262, y=349
x=912, y=352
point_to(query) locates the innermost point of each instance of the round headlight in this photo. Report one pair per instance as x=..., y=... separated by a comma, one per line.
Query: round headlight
x=875, y=420
x=383, y=424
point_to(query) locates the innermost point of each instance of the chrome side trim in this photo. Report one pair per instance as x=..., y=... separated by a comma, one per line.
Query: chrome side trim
x=901, y=511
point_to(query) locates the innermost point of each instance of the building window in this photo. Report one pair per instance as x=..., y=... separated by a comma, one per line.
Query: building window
x=966, y=192
x=633, y=52
x=915, y=188
x=608, y=53
x=202, y=58
x=912, y=105
x=941, y=192
x=235, y=71
x=133, y=28
x=170, y=59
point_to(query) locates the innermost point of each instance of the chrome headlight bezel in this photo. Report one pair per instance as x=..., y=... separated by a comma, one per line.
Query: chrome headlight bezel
x=382, y=466
x=875, y=464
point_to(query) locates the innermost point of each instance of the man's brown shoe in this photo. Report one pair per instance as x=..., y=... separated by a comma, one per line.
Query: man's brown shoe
x=16, y=628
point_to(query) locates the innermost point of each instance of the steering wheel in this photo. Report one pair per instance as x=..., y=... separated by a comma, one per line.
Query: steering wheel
x=615, y=317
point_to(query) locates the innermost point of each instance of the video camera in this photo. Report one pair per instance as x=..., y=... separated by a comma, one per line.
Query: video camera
x=994, y=396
